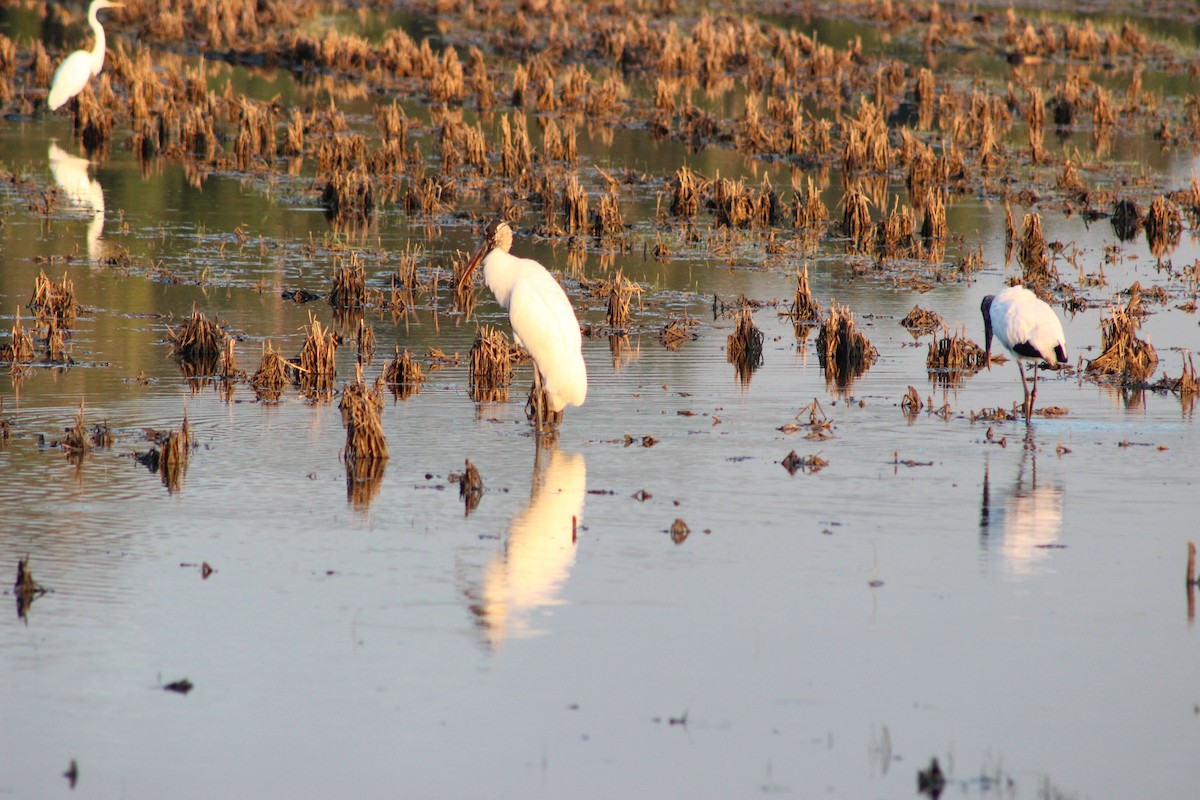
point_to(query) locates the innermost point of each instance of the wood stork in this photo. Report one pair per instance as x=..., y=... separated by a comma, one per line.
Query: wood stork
x=75, y=70
x=542, y=319
x=1028, y=328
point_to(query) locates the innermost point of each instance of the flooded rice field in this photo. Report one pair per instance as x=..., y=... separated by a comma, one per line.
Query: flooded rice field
x=278, y=538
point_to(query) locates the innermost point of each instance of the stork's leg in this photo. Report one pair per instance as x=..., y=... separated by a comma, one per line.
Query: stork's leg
x=1033, y=394
x=537, y=400
x=1027, y=405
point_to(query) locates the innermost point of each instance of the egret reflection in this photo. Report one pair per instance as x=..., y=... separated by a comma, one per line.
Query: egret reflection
x=71, y=174
x=1024, y=522
x=539, y=551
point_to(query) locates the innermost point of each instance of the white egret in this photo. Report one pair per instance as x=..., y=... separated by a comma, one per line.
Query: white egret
x=71, y=174
x=75, y=70
x=543, y=321
x=1028, y=328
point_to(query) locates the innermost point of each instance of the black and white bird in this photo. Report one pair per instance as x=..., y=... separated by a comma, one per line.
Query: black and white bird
x=1028, y=328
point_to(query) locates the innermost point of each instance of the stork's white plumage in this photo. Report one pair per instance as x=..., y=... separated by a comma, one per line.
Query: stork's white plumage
x=1028, y=328
x=542, y=319
x=75, y=70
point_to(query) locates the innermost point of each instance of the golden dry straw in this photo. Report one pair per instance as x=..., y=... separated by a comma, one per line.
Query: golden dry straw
x=403, y=375
x=686, y=189
x=199, y=342
x=271, y=377
x=173, y=457
x=491, y=366
x=349, y=283
x=1164, y=224
x=318, y=362
x=54, y=300
x=79, y=439
x=1123, y=355
x=921, y=319
x=843, y=350
x=19, y=349
x=809, y=212
x=1033, y=254
x=744, y=347
x=608, y=220
x=856, y=220
x=805, y=307
x=955, y=353
x=621, y=292
x=361, y=407
x=677, y=331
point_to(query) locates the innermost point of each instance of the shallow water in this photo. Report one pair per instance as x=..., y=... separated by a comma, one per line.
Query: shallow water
x=1013, y=607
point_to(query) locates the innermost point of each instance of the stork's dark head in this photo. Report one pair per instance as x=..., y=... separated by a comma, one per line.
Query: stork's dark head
x=986, y=308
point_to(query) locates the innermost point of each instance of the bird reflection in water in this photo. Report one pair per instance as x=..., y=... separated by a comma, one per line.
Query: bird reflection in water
x=540, y=549
x=1024, y=523
x=71, y=174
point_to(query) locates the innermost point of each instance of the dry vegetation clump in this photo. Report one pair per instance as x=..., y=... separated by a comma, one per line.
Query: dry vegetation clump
x=198, y=344
x=171, y=460
x=955, y=353
x=621, y=292
x=1164, y=224
x=54, y=301
x=575, y=205
x=79, y=439
x=686, y=189
x=805, y=307
x=470, y=487
x=856, y=220
x=349, y=284
x=1033, y=254
x=350, y=196
x=744, y=347
x=677, y=331
x=607, y=220
x=843, y=350
x=19, y=349
x=403, y=375
x=810, y=464
x=318, y=362
x=921, y=320
x=361, y=406
x=271, y=377
x=491, y=366
x=809, y=212
x=1123, y=355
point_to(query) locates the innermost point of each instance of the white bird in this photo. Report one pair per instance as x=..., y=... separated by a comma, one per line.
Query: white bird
x=1028, y=328
x=75, y=70
x=542, y=319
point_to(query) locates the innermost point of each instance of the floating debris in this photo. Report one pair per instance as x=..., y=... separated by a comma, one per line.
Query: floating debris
x=181, y=686
x=811, y=464
x=679, y=531
x=72, y=774
x=677, y=331
x=930, y=781
x=25, y=588
x=470, y=487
